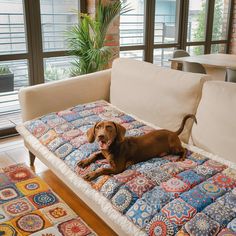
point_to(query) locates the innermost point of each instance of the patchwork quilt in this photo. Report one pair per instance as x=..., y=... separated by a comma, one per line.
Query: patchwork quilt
x=162, y=196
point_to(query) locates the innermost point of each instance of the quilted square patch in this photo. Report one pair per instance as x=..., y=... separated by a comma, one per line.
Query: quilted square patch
x=9, y=193
x=228, y=200
x=37, y=128
x=175, y=186
x=223, y=181
x=43, y=199
x=110, y=187
x=79, y=141
x=187, y=164
x=30, y=223
x=55, y=143
x=198, y=158
x=134, y=132
x=126, y=176
x=211, y=190
x=232, y=225
x=73, y=158
x=157, y=198
x=140, y=185
x=89, y=148
x=71, y=134
x=215, y=165
x=72, y=116
x=48, y=117
x=205, y=171
x=123, y=199
x=190, y=178
x=196, y=199
x=48, y=137
x=140, y=213
x=56, y=121
x=221, y=215
x=64, y=150
x=73, y=227
x=147, y=166
x=18, y=207
x=60, y=129
x=172, y=168
x=178, y=211
x=58, y=212
x=202, y=225
x=32, y=186
x=160, y=226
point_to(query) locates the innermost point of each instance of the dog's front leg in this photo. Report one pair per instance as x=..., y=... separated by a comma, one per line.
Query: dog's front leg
x=102, y=171
x=90, y=159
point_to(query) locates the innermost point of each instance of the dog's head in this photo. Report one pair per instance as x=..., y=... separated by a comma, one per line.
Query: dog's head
x=105, y=133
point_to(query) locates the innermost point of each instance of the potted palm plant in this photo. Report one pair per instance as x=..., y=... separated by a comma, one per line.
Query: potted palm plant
x=6, y=79
x=87, y=40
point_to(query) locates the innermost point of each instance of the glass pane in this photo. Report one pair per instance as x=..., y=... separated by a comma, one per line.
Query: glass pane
x=197, y=20
x=56, y=18
x=57, y=68
x=218, y=48
x=134, y=54
x=12, y=27
x=220, y=19
x=132, y=24
x=166, y=21
x=161, y=56
x=195, y=50
x=10, y=82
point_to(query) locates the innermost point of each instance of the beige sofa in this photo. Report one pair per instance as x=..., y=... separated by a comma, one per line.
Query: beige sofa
x=159, y=96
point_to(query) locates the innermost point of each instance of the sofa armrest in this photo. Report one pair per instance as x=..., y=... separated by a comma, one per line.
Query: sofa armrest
x=41, y=99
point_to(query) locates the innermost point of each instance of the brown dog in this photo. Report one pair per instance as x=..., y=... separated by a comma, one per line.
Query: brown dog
x=121, y=151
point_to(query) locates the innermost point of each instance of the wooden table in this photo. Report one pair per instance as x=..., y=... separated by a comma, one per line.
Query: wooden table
x=215, y=64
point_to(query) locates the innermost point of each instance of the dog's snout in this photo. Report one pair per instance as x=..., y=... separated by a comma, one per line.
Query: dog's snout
x=101, y=136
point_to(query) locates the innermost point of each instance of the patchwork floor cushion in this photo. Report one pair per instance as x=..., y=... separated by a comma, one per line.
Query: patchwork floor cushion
x=162, y=196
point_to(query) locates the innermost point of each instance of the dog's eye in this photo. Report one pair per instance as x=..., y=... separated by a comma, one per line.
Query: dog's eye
x=97, y=127
x=109, y=127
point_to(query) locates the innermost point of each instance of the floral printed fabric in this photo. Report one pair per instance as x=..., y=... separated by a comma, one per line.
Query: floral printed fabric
x=163, y=195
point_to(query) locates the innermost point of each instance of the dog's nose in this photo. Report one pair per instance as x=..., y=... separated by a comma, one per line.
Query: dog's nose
x=101, y=136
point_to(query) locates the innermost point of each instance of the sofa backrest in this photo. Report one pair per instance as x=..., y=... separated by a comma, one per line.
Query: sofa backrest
x=155, y=94
x=216, y=116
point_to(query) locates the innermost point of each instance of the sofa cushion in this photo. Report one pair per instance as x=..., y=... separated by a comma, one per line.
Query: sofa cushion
x=216, y=113
x=155, y=94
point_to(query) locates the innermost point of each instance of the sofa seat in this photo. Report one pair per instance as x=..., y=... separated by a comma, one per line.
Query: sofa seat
x=161, y=196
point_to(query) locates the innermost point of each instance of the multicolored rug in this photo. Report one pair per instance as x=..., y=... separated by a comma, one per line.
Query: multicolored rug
x=29, y=207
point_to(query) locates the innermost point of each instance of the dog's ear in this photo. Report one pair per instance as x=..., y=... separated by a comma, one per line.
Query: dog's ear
x=120, y=132
x=91, y=134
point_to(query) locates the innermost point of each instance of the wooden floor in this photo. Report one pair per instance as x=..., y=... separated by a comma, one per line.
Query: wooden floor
x=12, y=151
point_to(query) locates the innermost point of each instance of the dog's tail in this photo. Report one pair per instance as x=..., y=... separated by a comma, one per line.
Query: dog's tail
x=179, y=131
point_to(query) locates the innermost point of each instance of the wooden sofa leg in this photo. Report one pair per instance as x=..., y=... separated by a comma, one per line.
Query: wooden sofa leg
x=32, y=158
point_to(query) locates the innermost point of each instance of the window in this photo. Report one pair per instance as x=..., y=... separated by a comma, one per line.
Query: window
x=33, y=47
x=196, y=26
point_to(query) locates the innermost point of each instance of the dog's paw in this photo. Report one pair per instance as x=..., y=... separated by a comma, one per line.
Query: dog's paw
x=91, y=176
x=83, y=163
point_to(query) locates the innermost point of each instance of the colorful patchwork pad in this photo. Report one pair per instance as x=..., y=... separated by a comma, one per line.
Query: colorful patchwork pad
x=29, y=207
x=146, y=191
x=202, y=225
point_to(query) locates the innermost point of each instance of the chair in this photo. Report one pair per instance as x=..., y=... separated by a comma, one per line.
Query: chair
x=193, y=67
x=230, y=75
x=176, y=54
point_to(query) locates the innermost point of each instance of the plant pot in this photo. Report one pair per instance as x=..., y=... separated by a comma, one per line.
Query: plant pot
x=6, y=83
